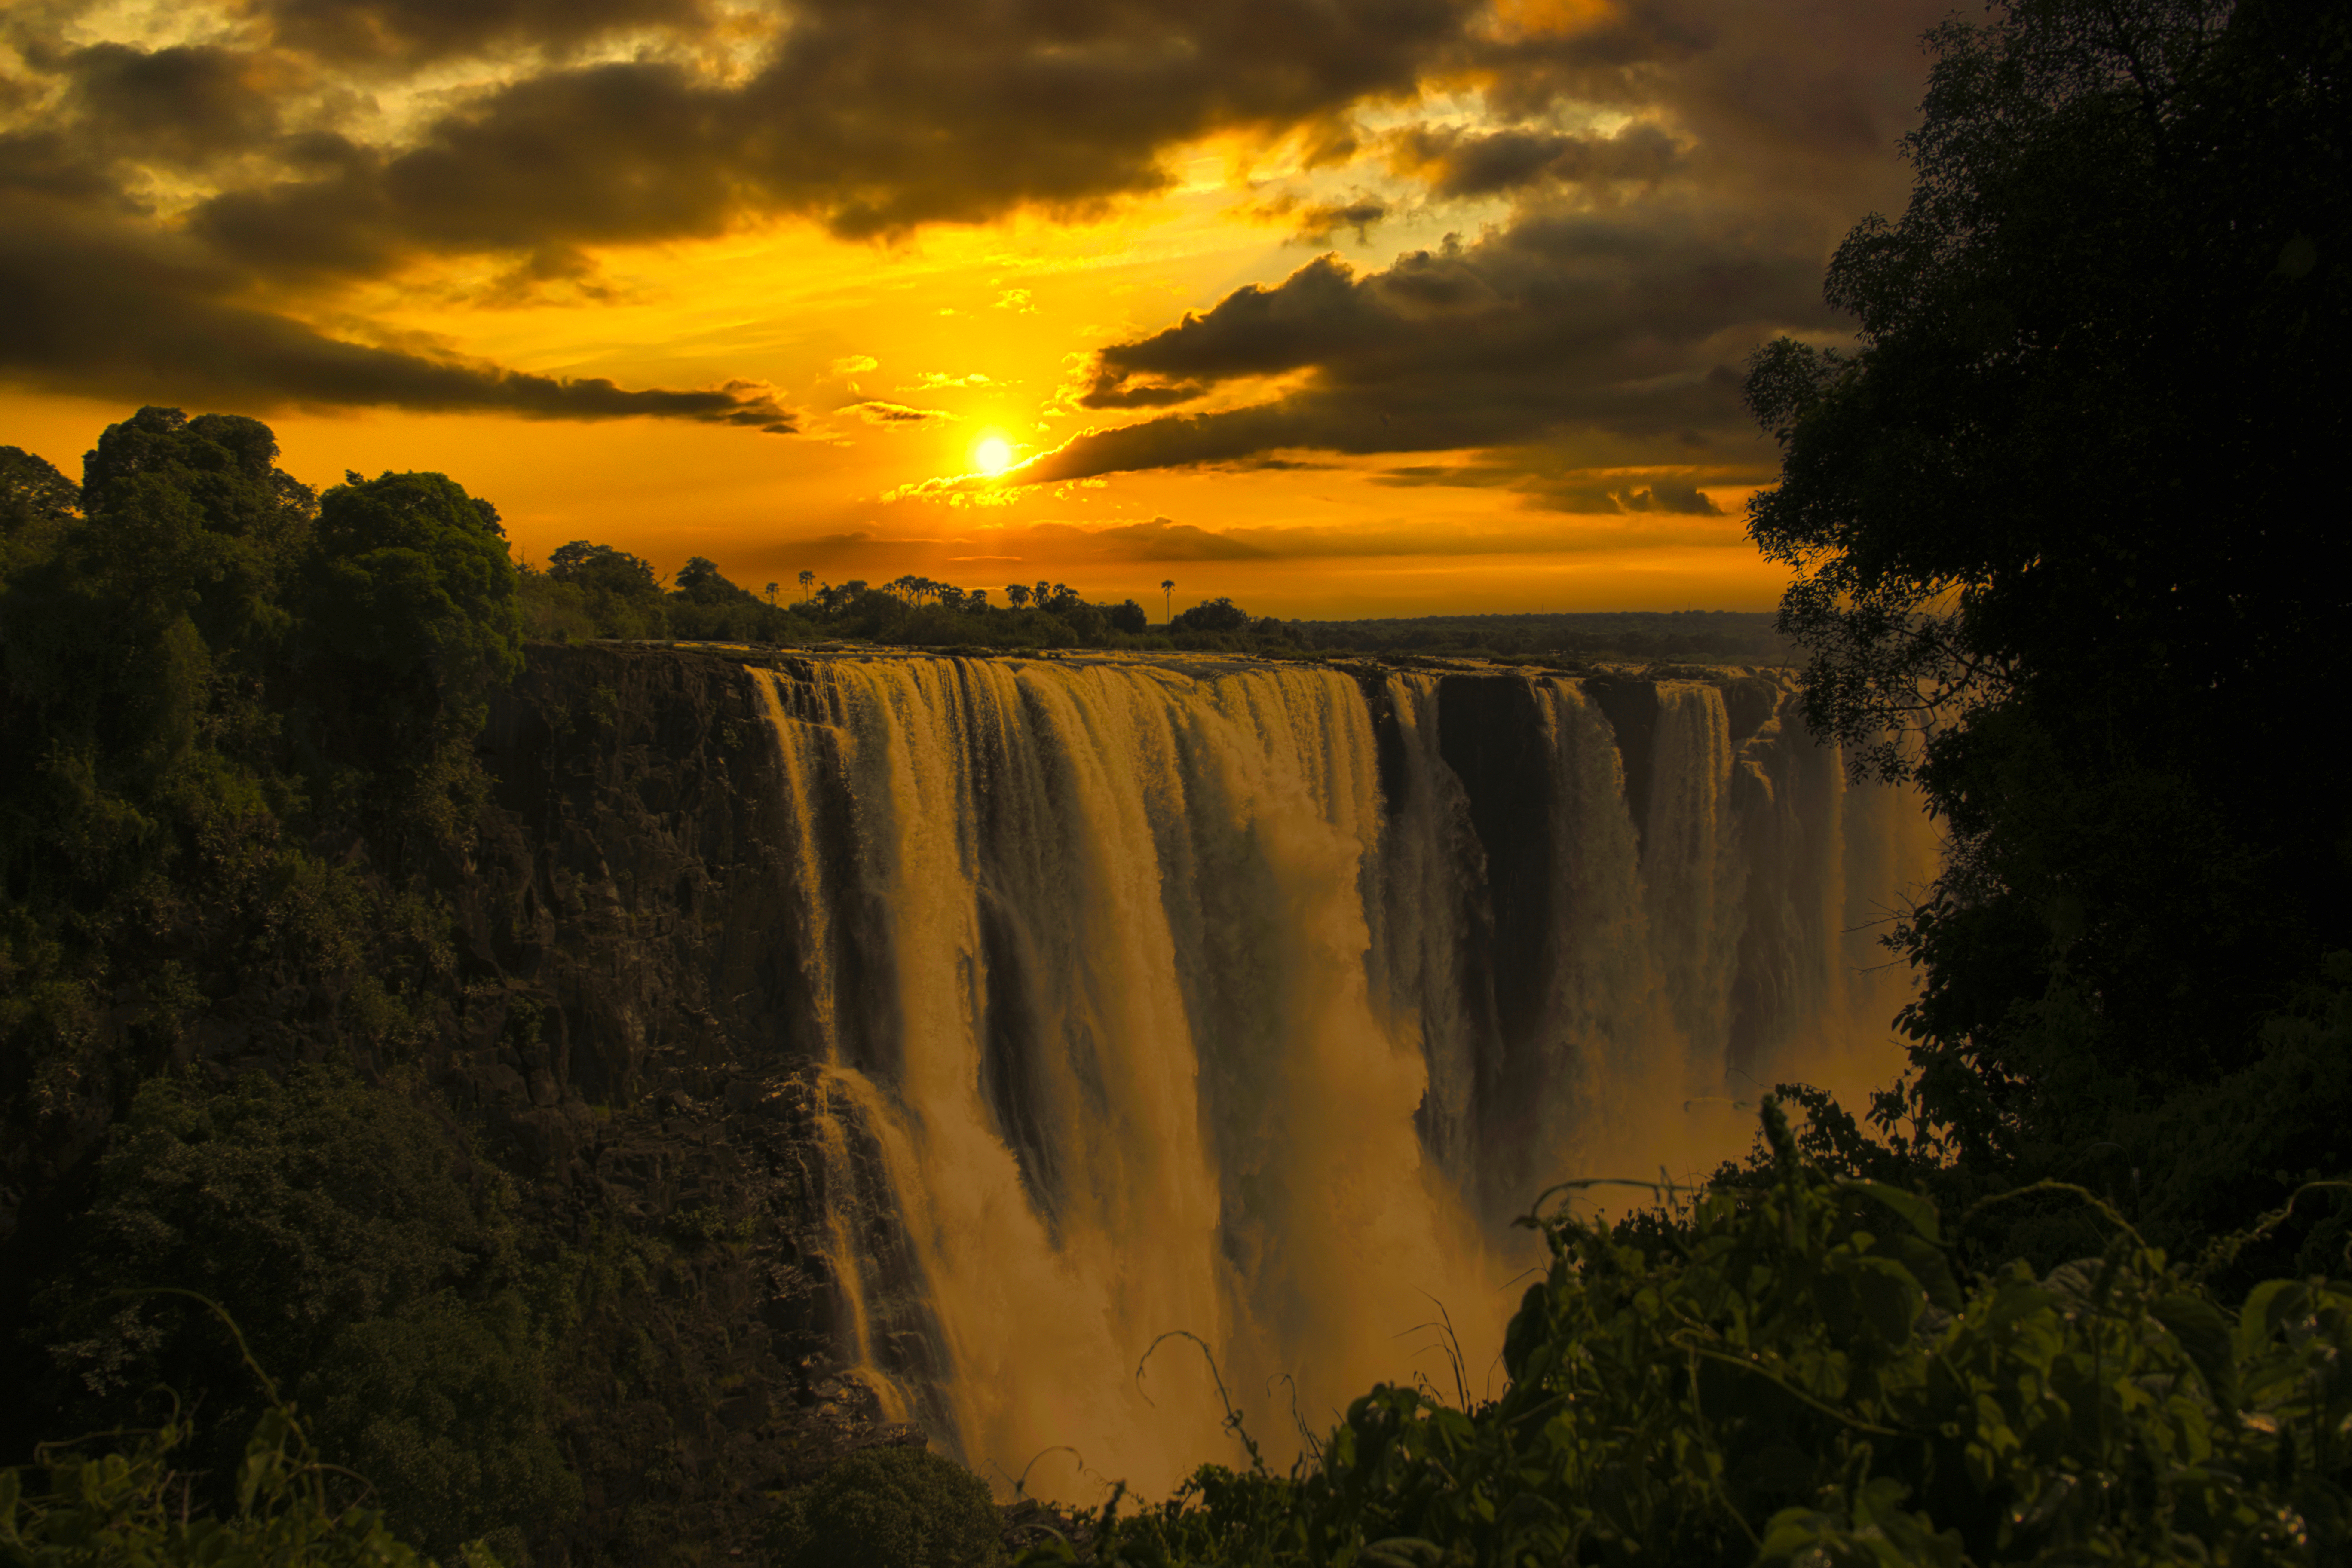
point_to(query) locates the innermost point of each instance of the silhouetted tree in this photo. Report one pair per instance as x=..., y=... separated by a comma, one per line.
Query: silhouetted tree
x=2052, y=526
x=33, y=491
x=412, y=622
x=1213, y=616
x=602, y=566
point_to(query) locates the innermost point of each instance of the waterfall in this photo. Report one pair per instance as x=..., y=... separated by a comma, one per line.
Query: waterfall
x=1251, y=1001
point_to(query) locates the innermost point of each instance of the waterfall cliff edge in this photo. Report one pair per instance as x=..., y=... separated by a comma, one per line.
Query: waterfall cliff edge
x=968, y=1025
x=1132, y=996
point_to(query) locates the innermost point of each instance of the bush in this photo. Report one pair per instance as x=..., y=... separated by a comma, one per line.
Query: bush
x=890, y=1508
x=336, y=1223
x=1798, y=1373
x=130, y=1511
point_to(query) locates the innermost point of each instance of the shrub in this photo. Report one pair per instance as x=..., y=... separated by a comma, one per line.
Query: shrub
x=337, y=1221
x=1797, y=1373
x=890, y=1508
x=130, y=1511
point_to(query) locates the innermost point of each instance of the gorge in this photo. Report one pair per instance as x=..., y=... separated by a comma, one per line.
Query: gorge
x=1252, y=1001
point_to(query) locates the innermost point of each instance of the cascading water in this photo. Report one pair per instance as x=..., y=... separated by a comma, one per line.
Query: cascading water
x=1250, y=1001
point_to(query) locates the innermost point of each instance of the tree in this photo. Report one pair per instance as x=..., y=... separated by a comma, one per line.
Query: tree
x=340, y=1229
x=1015, y=594
x=892, y=1507
x=1129, y=617
x=602, y=566
x=1168, y=597
x=413, y=585
x=616, y=592
x=2049, y=526
x=140, y=620
x=1212, y=616
x=807, y=577
x=33, y=493
x=700, y=580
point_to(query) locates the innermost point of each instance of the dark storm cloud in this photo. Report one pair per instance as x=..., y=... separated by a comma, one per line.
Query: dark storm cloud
x=177, y=105
x=612, y=122
x=101, y=308
x=1318, y=222
x=1554, y=479
x=871, y=119
x=1607, y=316
x=1455, y=163
x=1559, y=321
x=373, y=32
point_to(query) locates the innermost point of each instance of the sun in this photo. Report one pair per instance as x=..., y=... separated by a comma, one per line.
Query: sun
x=994, y=454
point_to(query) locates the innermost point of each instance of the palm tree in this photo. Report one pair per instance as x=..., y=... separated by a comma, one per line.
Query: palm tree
x=771, y=594
x=807, y=577
x=1168, y=597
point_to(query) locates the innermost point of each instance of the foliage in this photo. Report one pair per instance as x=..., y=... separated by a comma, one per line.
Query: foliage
x=890, y=1508
x=1800, y=1374
x=33, y=494
x=2041, y=521
x=594, y=590
x=412, y=624
x=233, y=720
x=119, y=1507
x=130, y=1511
x=1212, y=616
x=336, y=1223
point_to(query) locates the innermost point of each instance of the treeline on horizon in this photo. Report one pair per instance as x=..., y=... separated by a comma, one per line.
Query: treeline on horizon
x=594, y=591
x=2074, y=1290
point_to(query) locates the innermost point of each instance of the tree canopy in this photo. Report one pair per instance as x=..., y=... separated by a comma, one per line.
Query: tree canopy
x=2056, y=526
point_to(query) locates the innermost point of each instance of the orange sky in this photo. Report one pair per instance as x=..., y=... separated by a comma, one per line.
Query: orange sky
x=1407, y=308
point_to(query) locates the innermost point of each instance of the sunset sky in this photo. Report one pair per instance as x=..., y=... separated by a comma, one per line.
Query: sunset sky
x=1337, y=307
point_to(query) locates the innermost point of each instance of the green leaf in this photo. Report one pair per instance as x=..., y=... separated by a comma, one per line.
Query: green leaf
x=1888, y=1297
x=2204, y=1334
x=1915, y=1210
x=1403, y=1551
x=2268, y=1305
x=1925, y=1263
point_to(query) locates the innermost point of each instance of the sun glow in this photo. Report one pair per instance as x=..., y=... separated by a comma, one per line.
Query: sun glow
x=992, y=453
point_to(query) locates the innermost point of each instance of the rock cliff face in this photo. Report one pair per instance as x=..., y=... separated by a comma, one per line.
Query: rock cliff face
x=619, y=1039
x=651, y=1028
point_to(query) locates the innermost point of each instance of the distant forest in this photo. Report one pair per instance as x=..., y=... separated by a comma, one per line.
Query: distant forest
x=589, y=591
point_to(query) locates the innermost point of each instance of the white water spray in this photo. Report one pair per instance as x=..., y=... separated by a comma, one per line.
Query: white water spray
x=1248, y=1001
